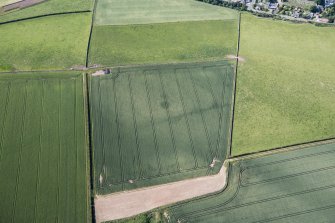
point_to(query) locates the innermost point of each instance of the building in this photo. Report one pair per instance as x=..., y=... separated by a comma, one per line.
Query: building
x=329, y=3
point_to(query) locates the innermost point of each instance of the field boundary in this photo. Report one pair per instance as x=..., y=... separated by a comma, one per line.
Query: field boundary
x=130, y=66
x=91, y=30
x=44, y=15
x=280, y=149
x=151, y=66
x=89, y=145
x=235, y=85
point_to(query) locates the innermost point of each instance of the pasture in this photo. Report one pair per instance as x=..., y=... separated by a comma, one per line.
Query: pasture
x=48, y=7
x=57, y=42
x=43, y=148
x=163, y=43
x=285, y=87
x=158, y=124
x=120, y=12
x=296, y=186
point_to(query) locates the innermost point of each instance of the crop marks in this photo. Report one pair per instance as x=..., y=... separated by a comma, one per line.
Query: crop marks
x=159, y=124
x=43, y=153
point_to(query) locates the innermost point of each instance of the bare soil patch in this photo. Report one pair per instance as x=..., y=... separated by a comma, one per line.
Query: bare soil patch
x=130, y=203
x=233, y=57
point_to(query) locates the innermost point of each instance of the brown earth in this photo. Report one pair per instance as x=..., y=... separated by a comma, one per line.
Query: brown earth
x=129, y=203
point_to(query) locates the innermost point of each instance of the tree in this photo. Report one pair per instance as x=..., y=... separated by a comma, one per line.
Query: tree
x=320, y=2
x=314, y=9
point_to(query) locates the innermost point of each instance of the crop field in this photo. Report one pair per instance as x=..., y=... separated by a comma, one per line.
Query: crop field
x=158, y=124
x=285, y=87
x=120, y=12
x=55, y=42
x=48, y=7
x=43, y=149
x=296, y=186
x=163, y=43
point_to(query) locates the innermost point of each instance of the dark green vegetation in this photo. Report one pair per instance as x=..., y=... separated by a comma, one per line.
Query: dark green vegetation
x=43, y=149
x=55, y=42
x=48, y=7
x=163, y=43
x=285, y=87
x=157, y=11
x=153, y=125
x=295, y=187
x=154, y=217
x=330, y=13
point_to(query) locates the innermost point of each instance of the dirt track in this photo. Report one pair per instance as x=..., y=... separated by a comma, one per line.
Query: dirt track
x=130, y=203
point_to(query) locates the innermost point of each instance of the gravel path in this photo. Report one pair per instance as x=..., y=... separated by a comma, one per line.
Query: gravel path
x=129, y=203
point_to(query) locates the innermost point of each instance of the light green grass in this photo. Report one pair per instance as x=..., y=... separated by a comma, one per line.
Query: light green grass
x=293, y=187
x=159, y=124
x=121, y=12
x=163, y=43
x=43, y=149
x=50, y=6
x=55, y=42
x=286, y=86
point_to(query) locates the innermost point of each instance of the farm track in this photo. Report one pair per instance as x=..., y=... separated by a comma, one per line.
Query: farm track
x=126, y=204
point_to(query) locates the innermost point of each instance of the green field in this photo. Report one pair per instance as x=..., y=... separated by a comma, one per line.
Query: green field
x=158, y=124
x=163, y=43
x=55, y=42
x=50, y=6
x=120, y=12
x=43, y=149
x=285, y=87
x=295, y=187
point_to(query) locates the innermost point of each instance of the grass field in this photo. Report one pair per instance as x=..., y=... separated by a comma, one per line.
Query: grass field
x=153, y=125
x=50, y=6
x=296, y=186
x=55, y=42
x=285, y=89
x=43, y=149
x=163, y=43
x=120, y=12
